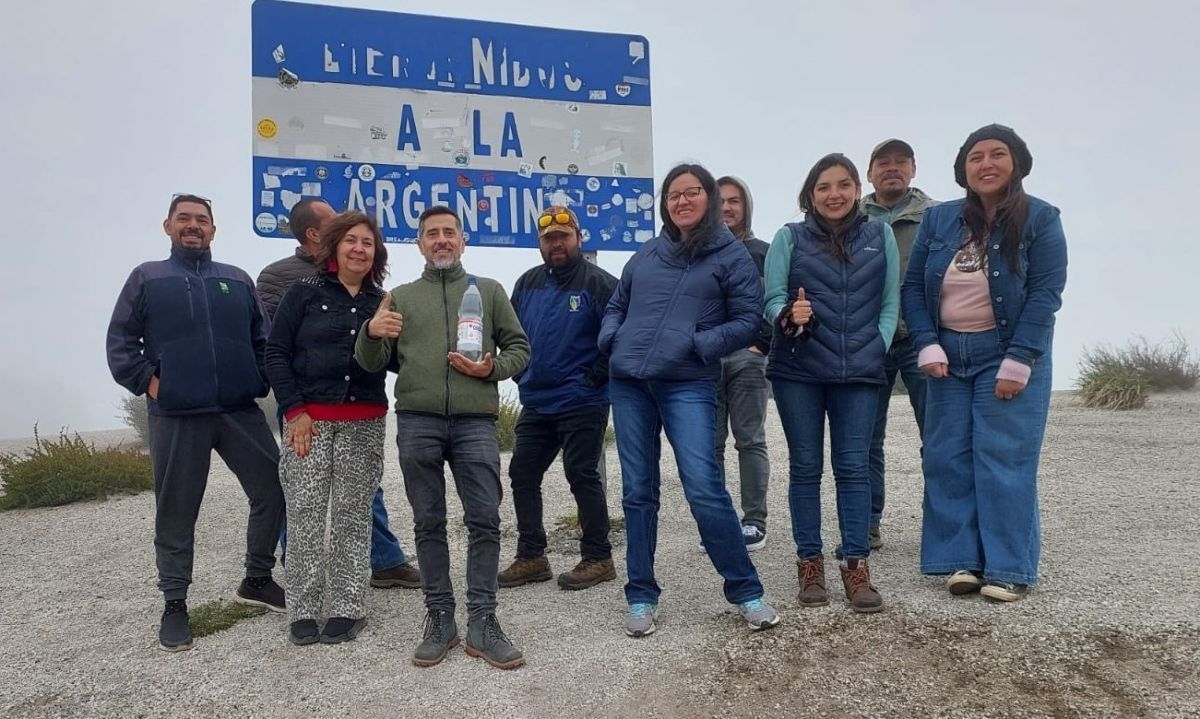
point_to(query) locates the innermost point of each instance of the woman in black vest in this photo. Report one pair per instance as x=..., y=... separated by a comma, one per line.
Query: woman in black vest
x=833, y=293
x=335, y=415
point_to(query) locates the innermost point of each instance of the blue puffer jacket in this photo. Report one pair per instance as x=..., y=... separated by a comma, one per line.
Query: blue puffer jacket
x=198, y=326
x=848, y=341
x=1023, y=303
x=673, y=317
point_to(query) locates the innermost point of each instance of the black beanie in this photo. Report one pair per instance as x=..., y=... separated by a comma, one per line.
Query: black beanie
x=1017, y=146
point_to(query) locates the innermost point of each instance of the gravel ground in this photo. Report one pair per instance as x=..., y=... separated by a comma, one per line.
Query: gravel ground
x=1113, y=631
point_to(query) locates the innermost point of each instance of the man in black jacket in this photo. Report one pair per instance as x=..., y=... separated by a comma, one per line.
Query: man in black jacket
x=389, y=565
x=742, y=393
x=190, y=334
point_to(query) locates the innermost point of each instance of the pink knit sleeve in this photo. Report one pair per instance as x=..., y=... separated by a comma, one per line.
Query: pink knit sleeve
x=933, y=354
x=1011, y=369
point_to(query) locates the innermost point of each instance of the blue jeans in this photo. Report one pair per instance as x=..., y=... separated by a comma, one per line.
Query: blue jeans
x=981, y=504
x=803, y=407
x=901, y=359
x=386, y=551
x=687, y=411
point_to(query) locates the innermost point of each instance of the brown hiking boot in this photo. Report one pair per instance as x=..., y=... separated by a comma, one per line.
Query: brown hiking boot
x=402, y=575
x=856, y=578
x=811, y=572
x=588, y=573
x=523, y=571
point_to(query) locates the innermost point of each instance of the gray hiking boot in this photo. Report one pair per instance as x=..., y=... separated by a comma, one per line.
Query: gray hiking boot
x=640, y=620
x=440, y=636
x=486, y=640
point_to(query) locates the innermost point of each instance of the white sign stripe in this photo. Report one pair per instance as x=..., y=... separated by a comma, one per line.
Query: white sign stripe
x=330, y=121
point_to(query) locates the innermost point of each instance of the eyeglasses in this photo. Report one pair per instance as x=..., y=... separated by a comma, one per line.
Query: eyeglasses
x=558, y=218
x=691, y=193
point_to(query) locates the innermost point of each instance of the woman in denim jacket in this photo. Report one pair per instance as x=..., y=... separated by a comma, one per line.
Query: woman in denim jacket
x=984, y=282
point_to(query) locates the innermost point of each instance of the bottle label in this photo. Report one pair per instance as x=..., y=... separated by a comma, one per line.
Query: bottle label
x=470, y=333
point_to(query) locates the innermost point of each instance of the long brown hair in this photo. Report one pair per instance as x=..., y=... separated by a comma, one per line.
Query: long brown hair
x=837, y=230
x=1010, y=218
x=337, y=229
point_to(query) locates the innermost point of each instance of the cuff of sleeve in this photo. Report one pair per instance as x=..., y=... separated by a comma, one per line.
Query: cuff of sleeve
x=933, y=354
x=1011, y=369
x=294, y=413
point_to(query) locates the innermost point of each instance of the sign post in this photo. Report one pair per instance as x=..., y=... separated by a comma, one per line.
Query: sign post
x=391, y=113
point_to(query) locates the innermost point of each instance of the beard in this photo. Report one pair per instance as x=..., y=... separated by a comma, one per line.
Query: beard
x=444, y=264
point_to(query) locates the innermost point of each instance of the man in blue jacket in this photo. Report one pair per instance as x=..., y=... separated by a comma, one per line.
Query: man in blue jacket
x=564, y=398
x=190, y=334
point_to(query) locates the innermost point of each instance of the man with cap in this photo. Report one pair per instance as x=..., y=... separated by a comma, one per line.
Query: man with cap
x=743, y=389
x=564, y=402
x=891, y=171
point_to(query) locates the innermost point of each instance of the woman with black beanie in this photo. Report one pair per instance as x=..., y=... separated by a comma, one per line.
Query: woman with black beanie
x=983, y=285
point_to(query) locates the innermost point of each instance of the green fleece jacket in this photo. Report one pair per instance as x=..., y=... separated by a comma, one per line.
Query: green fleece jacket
x=425, y=381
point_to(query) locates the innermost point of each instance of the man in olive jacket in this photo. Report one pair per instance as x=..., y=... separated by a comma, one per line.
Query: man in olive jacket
x=446, y=408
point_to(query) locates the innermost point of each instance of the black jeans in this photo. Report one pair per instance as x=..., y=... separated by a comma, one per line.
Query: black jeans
x=180, y=450
x=579, y=433
x=468, y=444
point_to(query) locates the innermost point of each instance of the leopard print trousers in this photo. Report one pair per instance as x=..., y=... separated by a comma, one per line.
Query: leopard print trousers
x=338, y=479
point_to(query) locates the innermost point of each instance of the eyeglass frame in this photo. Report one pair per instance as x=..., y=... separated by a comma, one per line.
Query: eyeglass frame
x=674, y=197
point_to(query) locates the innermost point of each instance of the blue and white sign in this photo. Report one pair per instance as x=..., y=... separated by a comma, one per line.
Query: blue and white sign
x=391, y=113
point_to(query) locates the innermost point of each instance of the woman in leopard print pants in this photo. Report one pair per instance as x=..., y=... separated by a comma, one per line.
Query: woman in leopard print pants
x=335, y=425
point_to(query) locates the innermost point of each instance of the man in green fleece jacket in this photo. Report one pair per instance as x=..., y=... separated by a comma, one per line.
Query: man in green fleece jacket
x=446, y=408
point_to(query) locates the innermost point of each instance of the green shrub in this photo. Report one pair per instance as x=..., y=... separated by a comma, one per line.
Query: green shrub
x=219, y=615
x=506, y=423
x=133, y=414
x=1166, y=365
x=52, y=473
x=1112, y=386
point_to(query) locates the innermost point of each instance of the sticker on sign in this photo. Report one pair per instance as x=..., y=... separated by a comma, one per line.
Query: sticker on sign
x=391, y=113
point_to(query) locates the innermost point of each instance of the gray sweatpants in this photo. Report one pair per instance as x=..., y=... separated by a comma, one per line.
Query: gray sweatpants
x=338, y=477
x=181, y=451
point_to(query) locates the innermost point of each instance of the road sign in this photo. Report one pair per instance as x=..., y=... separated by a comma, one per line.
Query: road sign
x=391, y=113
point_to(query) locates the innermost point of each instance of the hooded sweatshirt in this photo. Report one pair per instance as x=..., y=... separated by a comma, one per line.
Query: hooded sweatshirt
x=758, y=249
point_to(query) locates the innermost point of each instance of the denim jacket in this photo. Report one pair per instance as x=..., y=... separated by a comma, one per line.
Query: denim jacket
x=1023, y=303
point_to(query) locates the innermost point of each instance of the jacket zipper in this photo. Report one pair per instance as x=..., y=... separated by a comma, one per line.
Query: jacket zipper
x=191, y=301
x=212, y=340
x=658, y=331
x=449, y=346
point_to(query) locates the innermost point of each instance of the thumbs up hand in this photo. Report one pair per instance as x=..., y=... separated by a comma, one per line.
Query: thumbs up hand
x=385, y=324
x=801, y=309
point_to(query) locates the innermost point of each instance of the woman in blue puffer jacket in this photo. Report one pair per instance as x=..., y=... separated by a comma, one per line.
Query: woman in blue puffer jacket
x=686, y=299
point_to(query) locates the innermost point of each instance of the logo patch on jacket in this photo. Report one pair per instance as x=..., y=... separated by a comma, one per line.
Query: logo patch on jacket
x=574, y=301
x=223, y=287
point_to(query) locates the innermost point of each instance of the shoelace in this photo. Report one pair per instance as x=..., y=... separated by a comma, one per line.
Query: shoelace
x=812, y=573
x=752, y=606
x=492, y=633
x=641, y=610
x=858, y=578
x=749, y=530
x=434, y=626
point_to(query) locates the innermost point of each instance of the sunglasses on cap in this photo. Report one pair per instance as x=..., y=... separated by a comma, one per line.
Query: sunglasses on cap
x=557, y=218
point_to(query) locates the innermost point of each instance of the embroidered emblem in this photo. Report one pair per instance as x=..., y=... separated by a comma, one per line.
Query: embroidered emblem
x=574, y=301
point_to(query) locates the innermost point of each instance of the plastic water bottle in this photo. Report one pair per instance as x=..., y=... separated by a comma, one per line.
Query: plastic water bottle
x=470, y=323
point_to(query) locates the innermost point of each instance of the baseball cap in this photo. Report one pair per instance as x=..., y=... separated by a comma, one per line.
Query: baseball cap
x=889, y=144
x=557, y=218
